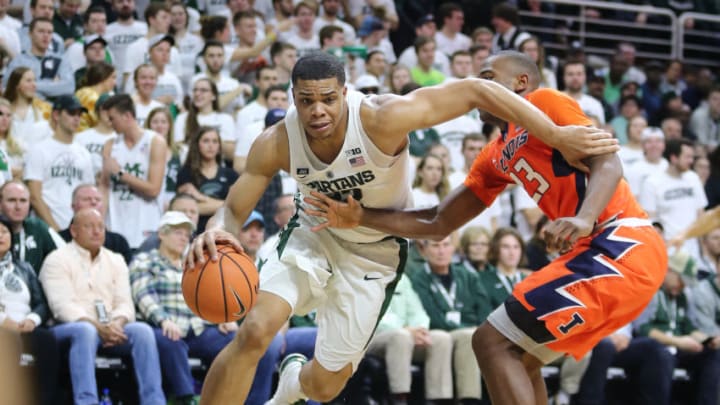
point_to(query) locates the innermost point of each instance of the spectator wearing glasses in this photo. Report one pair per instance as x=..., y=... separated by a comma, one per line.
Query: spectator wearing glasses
x=367, y=84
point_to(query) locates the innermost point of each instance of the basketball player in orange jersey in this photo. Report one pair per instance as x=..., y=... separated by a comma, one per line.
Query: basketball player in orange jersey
x=613, y=261
x=340, y=142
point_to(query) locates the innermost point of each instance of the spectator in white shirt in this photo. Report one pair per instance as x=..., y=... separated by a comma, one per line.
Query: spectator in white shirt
x=425, y=27
x=283, y=56
x=232, y=92
x=508, y=35
x=329, y=16
x=145, y=79
x=574, y=79
x=255, y=111
x=450, y=37
x=303, y=35
x=124, y=31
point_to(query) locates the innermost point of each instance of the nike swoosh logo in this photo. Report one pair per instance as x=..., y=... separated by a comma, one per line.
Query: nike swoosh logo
x=368, y=278
x=241, y=313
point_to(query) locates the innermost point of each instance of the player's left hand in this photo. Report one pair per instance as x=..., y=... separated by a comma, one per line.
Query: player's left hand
x=562, y=233
x=577, y=142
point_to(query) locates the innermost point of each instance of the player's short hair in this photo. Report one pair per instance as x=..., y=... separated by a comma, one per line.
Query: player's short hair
x=521, y=64
x=318, y=66
x=123, y=103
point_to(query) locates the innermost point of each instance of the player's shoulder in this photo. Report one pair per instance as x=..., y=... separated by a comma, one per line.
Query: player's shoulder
x=545, y=95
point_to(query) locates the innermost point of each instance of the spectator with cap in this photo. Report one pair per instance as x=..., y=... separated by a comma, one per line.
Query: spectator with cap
x=94, y=51
x=53, y=74
x=668, y=319
x=55, y=166
x=88, y=196
x=367, y=84
x=88, y=291
x=95, y=24
x=424, y=73
x=181, y=202
x=67, y=21
x=508, y=35
x=157, y=17
x=373, y=34
x=33, y=240
x=450, y=38
x=168, y=90
x=156, y=283
x=425, y=27
x=652, y=141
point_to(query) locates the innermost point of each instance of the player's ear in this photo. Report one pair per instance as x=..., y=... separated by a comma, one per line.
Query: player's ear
x=522, y=82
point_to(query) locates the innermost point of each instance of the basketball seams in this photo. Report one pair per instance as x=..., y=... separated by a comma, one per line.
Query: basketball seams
x=197, y=288
x=222, y=283
x=247, y=280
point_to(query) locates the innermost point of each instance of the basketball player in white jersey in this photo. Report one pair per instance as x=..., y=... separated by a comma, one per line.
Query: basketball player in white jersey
x=342, y=143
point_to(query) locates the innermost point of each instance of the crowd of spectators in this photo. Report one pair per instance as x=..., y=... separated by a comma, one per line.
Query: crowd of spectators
x=123, y=124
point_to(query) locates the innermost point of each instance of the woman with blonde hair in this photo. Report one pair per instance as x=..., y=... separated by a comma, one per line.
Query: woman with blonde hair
x=534, y=49
x=430, y=185
x=100, y=78
x=398, y=77
x=8, y=144
x=474, y=247
x=160, y=120
x=31, y=115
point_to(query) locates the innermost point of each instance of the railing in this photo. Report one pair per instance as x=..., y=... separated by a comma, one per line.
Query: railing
x=691, y=37
x=699, y=45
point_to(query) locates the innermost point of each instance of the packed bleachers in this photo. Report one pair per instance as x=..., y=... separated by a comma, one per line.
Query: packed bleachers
x=124, y=124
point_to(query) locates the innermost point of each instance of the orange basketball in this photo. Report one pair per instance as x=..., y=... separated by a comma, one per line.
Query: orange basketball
x=222, y=291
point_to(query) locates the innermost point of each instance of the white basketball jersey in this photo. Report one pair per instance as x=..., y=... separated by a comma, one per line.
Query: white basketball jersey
x=130, y=214
x=373, y=178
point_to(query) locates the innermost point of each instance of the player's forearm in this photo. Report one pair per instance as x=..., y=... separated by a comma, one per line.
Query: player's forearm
x=605, y=174
x=415, y=224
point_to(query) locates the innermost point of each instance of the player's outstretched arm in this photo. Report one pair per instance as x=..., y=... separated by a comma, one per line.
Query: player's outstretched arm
x=435, y=223
x=605, y=174
x=264, y=160
x=430, y=106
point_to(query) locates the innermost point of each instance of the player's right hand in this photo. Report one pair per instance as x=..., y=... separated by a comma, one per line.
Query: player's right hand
x=577, y=142
x=337, y=214
x=209, y=240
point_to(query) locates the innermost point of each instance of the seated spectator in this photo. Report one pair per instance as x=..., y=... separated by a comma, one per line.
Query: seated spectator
x=23, y=310
x=667, y=320
x=88, y=196
x=31, y=115
x=203, y=176
x=402, y=337
x=100, y=78
x=647, y=363
x=88, y=289
x=184, y=203
x=283, y=209
x=505, y=254
x=704, y=120
x=33, y=239
x=156, y=282
x=474, y=246
x=7, y=168
x=430, y=185
x=55, y=166
x=629, y=108
x=54, y=74
x=456, y=301
x=399, y=77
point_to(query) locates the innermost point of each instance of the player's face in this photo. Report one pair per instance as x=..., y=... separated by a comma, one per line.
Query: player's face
x=321, y=107
x=497, y=70
x=439, y=254
x=510, y=252
x=15, y=202
x=478, y=248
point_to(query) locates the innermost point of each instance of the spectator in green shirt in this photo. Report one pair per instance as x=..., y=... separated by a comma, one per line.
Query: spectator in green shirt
x=423, y=73
x=456, y=301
